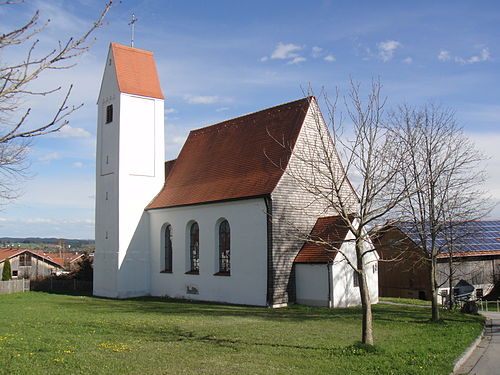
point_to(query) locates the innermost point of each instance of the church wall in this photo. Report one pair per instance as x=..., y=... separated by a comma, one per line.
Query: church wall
x=295, y=209
x=106, y=211
x=247, y=283
x=312, y=284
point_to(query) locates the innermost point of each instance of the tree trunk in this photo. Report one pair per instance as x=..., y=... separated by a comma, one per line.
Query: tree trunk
x=435, y=308
x=450, y=282
x=367, y=330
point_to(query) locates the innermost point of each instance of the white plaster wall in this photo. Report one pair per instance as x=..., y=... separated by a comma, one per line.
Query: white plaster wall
x=247, y=283
x=311, y=283
x=345, y=294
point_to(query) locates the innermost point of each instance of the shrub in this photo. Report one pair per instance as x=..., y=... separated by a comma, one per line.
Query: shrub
x=7, y=272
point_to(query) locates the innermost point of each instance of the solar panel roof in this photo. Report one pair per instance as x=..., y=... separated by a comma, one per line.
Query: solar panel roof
x=471, y=236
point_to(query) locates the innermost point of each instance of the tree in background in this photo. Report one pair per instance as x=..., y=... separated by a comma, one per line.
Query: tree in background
x=443, y=170
x=7, y=272
x=84, y=270
x=17, y=84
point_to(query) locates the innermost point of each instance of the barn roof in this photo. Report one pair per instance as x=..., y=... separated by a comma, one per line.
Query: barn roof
x=239, y=158
x=480, y=237
x=10, y=253
x=327, y=235
x=136, y=71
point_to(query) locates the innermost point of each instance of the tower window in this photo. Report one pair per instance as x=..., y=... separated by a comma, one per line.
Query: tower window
x=109, y=113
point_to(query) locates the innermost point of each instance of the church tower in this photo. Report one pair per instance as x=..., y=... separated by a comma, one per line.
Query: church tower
x=129, y=170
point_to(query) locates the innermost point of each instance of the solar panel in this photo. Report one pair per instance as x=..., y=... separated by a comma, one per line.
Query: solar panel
x=463, y=237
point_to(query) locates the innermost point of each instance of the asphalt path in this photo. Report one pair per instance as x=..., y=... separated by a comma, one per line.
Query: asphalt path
x=485, y=359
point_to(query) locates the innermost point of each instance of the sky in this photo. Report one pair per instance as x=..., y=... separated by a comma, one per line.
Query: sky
x=221, y=59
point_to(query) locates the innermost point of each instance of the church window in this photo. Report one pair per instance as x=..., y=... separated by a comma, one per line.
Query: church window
x=109, y=113
x=194, y=247
x=355, y=278
x=168, y=250
x=224, y=247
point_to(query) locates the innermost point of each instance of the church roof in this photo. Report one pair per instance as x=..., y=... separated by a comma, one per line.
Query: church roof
x=238, y=158
x=136, y=71
x=327, y=235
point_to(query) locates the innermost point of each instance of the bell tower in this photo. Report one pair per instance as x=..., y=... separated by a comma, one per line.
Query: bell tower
x=129, y=170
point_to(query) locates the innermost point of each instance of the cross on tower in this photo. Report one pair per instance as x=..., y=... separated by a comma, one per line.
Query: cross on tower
x=132, y=23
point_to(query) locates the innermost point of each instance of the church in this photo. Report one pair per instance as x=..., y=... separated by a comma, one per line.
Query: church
x=220, y=222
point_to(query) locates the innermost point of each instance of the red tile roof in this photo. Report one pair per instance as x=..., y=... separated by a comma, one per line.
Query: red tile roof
x=332, y=230
x=238, y=158
x=9, y=253
x=136, y=71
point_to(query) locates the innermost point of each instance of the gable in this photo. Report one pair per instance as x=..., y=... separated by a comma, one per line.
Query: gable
x=238, y=158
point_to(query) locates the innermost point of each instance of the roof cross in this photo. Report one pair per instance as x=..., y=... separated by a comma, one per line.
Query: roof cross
x=132, y=31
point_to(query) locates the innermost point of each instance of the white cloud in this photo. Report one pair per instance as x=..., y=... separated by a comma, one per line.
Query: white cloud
x=288, y=52
x=170, y=110
x=484, y=55
x=178, y=140
x=316, y=51
x=221, y=109
x=297, y=60
x=50, y=157
x=285, y=51
x=444, y=55
x=330, y=58
x=78, y=164
x=408, y=60
x=386, y=49
x=199, y=99
x=70, y=132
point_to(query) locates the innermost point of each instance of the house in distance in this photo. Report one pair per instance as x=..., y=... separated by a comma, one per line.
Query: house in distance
x=216, y=223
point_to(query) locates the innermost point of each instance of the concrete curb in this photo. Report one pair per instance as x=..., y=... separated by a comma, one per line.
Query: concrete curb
x=468, y=352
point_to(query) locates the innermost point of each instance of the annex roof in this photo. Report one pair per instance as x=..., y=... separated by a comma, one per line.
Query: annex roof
x=327, y=235
x=136, y=71
x=481, y=237
x=238, y=158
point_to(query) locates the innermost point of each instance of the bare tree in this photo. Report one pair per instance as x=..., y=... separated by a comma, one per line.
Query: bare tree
x=17, y=79
x=372, y=158
x=443, y=169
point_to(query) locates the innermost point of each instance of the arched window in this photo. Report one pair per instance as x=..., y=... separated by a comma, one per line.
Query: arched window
x=167, y=256
x=194, y=247
x=224, y=247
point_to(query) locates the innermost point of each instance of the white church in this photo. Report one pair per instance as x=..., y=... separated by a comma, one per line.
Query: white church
x=213, y=224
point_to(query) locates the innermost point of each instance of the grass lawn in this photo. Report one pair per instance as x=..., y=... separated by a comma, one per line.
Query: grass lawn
x=59, y=334
x=409, y=301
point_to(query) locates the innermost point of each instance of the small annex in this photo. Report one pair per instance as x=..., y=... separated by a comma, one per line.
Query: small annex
x=219, y=222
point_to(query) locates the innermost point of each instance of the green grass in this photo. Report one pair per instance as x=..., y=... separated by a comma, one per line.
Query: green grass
x=408, y=301
x=60, y=334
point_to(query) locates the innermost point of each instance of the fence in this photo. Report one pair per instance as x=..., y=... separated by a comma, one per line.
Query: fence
x=488, y=305
x=51, y=285
x=14, y=286
x=47, y=285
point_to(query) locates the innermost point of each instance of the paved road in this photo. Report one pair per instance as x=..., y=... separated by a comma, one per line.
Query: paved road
x=485, y=359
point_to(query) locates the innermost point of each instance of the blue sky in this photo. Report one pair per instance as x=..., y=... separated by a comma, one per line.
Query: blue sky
x=221, y=59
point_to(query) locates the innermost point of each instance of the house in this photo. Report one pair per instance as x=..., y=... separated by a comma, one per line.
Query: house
x=473, y=262
x=214, y=224
x=29, y=264
x=69, y=261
